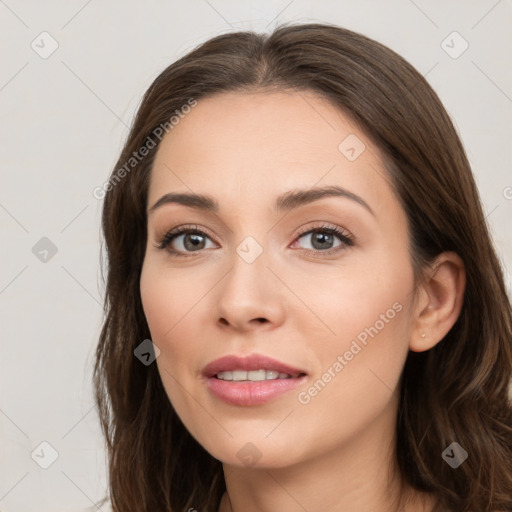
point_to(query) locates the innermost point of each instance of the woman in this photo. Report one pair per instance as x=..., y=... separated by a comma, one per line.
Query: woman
x=304, y=307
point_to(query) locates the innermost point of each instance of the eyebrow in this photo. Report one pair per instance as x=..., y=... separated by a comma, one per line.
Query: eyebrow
x=284, y=203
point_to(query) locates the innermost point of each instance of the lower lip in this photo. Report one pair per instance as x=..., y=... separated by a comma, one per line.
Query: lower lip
x=249, y=393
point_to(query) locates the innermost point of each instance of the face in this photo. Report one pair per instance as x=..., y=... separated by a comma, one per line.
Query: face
x=322, y=284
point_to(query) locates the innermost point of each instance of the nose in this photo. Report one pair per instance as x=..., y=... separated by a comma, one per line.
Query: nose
x=250, y=296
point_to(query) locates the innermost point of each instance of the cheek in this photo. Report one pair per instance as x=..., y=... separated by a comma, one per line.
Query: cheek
x=365, y=302
x=175, y=304
x=168, y=298
x=366, y=296
x=356, y=380
x=360, y=366
x=169, y=301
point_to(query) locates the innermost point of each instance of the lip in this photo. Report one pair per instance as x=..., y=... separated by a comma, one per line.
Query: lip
x=248, y=363
x=248, y=393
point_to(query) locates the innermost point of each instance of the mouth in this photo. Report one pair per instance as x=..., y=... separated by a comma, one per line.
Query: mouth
x=255, y=367
x=251, y=380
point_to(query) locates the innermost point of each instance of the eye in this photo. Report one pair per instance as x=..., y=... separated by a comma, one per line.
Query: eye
x=192, y=240
x=187, y=240
x=323, y=239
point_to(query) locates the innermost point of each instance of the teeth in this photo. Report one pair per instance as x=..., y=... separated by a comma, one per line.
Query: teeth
x=253, y=375
x=256, y=375
x=239, y=375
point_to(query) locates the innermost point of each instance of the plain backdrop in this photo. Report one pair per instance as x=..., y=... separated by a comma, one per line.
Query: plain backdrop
x=71, y=78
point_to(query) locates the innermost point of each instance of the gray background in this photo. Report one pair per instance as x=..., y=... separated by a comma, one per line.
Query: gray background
x=64, y=119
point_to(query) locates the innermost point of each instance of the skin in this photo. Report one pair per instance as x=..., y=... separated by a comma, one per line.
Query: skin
x=244, y=149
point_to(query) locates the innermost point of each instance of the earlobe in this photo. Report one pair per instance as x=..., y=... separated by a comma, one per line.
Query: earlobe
x=440, y=304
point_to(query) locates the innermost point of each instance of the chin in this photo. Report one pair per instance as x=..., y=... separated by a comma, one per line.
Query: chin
x=259, y=453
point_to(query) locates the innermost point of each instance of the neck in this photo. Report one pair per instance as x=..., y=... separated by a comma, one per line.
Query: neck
x=361, y=475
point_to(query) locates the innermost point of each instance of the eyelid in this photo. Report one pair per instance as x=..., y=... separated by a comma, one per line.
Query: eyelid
x=325, y=226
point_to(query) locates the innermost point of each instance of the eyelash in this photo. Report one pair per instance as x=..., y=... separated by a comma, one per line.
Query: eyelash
x=346, y=238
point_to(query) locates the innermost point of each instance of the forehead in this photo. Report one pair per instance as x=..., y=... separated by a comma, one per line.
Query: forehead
x=250, y=147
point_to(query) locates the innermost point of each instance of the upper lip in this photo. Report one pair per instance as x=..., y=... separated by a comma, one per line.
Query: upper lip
x=248, y=363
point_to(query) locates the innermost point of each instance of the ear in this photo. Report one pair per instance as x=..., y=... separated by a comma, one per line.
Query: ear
x=439, y=301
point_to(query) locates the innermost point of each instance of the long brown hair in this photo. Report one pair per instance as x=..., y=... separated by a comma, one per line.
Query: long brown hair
x=458, y=391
